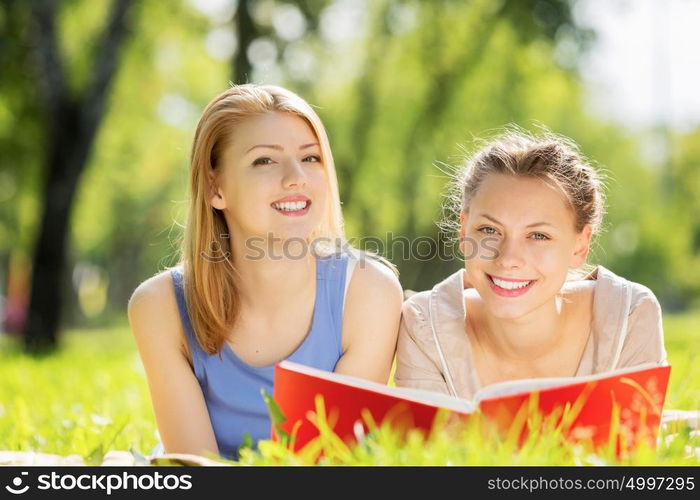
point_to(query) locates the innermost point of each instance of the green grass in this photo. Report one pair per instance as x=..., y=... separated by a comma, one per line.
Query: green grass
x=91, y=396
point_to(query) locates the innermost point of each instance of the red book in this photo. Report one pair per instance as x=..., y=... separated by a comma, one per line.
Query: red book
x=627, y=402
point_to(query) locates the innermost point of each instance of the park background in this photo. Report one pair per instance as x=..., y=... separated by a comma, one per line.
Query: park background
x=98, y=105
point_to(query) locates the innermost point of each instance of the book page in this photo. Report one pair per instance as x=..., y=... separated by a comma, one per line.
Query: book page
x=417, y=395
x=533, y=384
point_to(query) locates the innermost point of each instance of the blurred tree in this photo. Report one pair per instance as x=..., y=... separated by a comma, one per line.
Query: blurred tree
x=398, y=83
x=72, y=122
x=685, y=178
x=246, y=32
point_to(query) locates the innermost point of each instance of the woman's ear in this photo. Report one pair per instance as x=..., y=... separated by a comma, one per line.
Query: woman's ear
x=583, y=245
x=216, y=197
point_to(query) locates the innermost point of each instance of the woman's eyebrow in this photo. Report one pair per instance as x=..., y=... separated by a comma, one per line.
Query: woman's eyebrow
x=492, y=219
x=280, y=148
x=270, y=146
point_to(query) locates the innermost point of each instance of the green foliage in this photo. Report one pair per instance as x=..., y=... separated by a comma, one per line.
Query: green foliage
x=412, y=88
x=470, y=443
x=276, y=417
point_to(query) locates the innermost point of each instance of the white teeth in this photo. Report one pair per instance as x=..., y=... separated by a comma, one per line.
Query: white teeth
x=510, y=285
x=290, y=206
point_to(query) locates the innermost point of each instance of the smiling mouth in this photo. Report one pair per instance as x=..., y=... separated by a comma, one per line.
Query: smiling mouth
x=292, y=207
x=510, y=285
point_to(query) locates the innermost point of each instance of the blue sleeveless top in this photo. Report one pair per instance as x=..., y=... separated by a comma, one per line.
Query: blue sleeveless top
x=231, y=387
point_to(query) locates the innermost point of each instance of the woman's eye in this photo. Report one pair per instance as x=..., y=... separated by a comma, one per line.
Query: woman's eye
x=535, y=236
x=312, y=159
x=263, y=161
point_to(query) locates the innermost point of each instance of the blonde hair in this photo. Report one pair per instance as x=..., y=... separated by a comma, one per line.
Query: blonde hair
x=210, y=284
x=550, y=157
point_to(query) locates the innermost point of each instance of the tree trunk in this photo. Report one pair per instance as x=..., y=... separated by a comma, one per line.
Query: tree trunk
x=72, y=127
x=50, y=256
x=246, y=32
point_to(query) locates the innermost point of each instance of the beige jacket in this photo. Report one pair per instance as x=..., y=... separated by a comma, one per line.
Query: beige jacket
x=434, y=352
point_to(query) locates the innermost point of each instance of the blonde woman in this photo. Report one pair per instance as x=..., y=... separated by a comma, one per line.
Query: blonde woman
x=260, y=279
x=528, y=209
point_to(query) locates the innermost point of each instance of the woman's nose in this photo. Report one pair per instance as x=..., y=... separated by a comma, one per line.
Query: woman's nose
x=510, y=254
x=294, y=174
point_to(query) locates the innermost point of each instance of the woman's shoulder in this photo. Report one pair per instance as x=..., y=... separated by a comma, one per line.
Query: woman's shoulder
x=447, y=295
x=374, y=277
x=153, y=307
x=415, y=319
x=371, y=315
x=612, y=288
x=627, y=321
x=154, y=290
x=642, y=337
x=645, y=307
x=416, y=306
x=642, y=296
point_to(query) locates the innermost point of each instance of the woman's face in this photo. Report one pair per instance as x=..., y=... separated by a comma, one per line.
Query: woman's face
x=519, y=241
x=272, y=180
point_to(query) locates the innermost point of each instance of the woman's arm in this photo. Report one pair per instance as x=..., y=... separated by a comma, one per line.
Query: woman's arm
x=644, y=342
x=180, y=409
x=414, y=367
x=370, y=322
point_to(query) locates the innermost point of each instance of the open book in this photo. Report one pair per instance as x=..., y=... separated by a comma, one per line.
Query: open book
x=627, y=402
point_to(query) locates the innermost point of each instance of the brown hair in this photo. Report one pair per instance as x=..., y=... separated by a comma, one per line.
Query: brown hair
x=550, y=157
x=210, y=284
